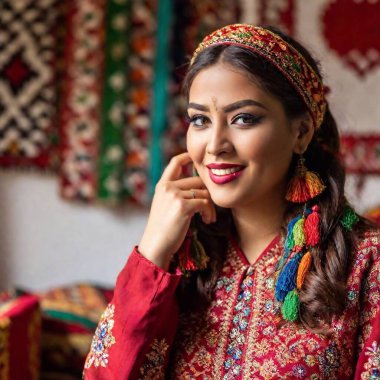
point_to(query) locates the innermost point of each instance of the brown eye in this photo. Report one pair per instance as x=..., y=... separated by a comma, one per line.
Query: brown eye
x=198, y=120
x=246, y=119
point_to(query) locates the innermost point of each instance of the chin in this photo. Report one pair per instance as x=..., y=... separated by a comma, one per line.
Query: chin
x=224, y=202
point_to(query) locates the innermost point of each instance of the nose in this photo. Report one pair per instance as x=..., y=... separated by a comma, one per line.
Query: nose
x=219, y=140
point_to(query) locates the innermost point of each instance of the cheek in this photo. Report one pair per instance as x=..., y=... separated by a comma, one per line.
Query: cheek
x=194, y=147
x=266, y=148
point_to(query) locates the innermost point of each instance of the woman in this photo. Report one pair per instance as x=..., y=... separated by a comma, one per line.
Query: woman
x=256, y=267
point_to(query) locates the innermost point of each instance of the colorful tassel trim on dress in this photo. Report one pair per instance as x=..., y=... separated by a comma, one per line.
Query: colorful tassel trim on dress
x=302, y=234
x=192, y=255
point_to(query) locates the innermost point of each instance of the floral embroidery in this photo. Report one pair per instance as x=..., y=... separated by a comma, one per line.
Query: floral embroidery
x=372, y=366
x=153, y=368
x=233, y=362
x=239, y=335
x=102, y=340
x=329, y=360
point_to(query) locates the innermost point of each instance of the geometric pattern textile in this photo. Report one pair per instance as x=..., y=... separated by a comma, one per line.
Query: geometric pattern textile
x=81, y=98
x=69, y=318
x=28, y=39
x=111, y=150
x=350, y=55
x=142, y=39
x=361, y=153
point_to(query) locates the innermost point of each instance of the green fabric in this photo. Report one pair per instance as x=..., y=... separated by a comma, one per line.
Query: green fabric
x=160, y=89
x=69, y=317
x=111, y=161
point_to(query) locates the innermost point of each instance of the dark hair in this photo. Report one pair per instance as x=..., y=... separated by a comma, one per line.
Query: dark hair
x=323, y=293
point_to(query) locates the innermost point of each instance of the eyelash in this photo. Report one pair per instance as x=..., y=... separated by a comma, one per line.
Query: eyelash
x=253, y=119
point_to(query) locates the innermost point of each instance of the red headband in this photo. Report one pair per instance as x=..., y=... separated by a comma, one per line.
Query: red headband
x=277, y=51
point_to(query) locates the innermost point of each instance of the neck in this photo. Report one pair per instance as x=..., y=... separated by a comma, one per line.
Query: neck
x=257, y=225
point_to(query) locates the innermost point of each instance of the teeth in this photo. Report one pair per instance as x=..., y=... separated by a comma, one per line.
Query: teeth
x=225, y=171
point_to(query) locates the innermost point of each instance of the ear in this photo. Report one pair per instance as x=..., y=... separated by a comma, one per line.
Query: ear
x=304, y=131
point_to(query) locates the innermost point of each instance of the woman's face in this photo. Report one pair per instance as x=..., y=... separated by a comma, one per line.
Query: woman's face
x=239, y=137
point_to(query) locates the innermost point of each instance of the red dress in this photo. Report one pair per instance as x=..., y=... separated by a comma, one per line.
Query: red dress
x=143, y=335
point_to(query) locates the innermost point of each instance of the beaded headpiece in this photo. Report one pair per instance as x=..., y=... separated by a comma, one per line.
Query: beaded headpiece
x=287, y=59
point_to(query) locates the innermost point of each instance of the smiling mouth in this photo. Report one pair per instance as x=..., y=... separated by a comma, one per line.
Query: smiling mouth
x=221, y=172
x=222, y=176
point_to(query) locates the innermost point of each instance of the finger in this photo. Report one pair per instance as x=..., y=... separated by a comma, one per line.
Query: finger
x=195, y=194
x=189, y=183
x=198, y=205
x=174, y=169
x=209, y=215
x=203, y=206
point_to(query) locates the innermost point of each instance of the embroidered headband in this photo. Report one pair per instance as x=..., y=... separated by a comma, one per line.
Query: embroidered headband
x=277, y=51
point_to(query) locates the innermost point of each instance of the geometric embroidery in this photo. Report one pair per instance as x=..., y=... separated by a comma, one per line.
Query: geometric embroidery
x=102, y=340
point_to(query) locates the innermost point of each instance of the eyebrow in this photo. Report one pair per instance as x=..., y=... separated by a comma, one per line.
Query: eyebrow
x=230, y=107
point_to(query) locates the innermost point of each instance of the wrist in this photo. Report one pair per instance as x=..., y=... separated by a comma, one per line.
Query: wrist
x=156, y=258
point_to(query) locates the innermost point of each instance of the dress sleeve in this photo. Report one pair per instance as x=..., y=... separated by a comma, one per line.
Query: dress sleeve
x=136, y=331
x=368, y=365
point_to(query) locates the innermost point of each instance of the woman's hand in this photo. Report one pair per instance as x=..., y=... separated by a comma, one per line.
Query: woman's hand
x=175, y=202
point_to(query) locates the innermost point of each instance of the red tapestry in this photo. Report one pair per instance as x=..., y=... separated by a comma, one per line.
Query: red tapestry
x=81, y=99
x=344, y=35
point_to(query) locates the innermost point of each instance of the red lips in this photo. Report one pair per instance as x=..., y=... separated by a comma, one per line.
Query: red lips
x=222, y=179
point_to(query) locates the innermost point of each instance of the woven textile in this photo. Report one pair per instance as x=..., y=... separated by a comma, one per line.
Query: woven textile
x=28, y=39
x=139, y=97
x=20, y=335
x=111, y=155
x=69, y=319
x=361, y=153
x=81, y=98
x=350, y=54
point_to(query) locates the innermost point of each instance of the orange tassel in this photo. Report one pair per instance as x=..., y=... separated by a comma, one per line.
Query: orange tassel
x=311, y=227
x=303, y=269
x=304, y=185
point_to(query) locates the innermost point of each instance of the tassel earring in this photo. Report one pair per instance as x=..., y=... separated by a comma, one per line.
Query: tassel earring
x=304, y=185
x=192, y=255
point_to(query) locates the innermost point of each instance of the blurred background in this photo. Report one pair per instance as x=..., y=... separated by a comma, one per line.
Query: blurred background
x=91, y=112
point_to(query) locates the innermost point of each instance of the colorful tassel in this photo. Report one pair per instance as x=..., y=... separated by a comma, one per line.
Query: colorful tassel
x=303, y=269
x=201, y=257
x=299, y=233
x=349, y=218
x=311, y=228
x=289, y=242
x=186, y=262
x=304, y=185
x=192, y=255
x=290, y=308
x=286, y=280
